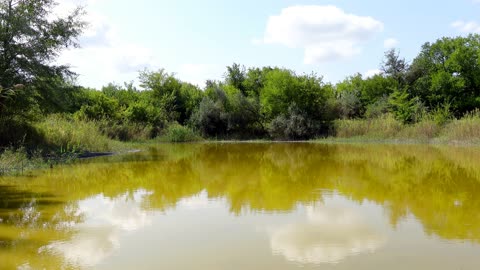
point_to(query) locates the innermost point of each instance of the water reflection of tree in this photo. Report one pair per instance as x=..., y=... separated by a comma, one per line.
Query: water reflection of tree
x=440, y=186
x=28, y=220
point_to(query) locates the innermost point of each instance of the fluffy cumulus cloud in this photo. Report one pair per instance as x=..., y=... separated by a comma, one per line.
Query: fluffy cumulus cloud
x=466, y=27
x=324, y=32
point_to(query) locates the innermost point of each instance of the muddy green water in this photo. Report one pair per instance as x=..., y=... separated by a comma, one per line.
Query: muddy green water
x=248, y=206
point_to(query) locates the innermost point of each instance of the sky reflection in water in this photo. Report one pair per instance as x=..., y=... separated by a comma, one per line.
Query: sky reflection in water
x=249, y=206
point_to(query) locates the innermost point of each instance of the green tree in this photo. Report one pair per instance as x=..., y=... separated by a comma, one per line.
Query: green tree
x=255, y=80
x=377, y=88
x=404, y=108
x=394, y=66
x=125, y=95
x=448, y=71
x=97, y=106
x=348, y=96
x=243, y=113
x=236, y=76
x=188, y=101
x=30, y=41
x=210, y=118
x=165, y=90
x=283, y=88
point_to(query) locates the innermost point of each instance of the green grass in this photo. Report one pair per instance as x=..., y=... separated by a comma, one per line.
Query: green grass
x=56, y=139
x=63, y=135
x=59, y=138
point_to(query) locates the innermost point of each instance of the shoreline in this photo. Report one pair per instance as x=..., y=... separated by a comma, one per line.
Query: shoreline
x=89, y=155
x=26, y=165
x=355, y=140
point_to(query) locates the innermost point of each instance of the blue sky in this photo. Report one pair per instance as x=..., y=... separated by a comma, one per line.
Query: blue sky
x=198, y=39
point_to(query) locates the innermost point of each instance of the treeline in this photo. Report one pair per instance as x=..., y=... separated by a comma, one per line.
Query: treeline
x=253, y=103
x=441, y=83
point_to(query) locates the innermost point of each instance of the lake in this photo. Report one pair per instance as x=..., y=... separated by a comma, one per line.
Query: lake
x=248, y=206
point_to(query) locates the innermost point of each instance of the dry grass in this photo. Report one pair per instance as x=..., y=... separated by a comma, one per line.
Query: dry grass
x=383, y=127
x=424, y=130
x=464, y=130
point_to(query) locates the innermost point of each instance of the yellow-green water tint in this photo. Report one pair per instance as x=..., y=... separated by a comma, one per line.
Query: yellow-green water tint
x=248, y=206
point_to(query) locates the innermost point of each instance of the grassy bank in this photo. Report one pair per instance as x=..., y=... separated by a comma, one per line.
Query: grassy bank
x=61, y=139
x=386, y=128
x=63, y=135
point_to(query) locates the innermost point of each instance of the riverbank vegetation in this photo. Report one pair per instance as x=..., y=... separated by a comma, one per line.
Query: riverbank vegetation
x=43, y=112
x=465, y=130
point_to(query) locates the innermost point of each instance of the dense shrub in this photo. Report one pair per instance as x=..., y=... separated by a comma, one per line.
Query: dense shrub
x=17, y=131
x=128, y=131
x=378, y=108
x=210, y=119
x=295, y=125
x=349, y=105
x=243, y=115
x=178, y=133
x=97, y=106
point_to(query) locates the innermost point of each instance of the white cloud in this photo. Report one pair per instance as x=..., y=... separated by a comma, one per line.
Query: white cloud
x=329, y=236
x=257, y=41
x=466, y=27
x=103, y=56
x=98, y=31
x=196, y=73
x=324, y=32
x=372, y=72
x=390, y=43
x=65, y=7
x=98, y=65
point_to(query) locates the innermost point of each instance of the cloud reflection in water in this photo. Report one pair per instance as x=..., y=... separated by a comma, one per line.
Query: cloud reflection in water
x=328, y=236
x=105, y=219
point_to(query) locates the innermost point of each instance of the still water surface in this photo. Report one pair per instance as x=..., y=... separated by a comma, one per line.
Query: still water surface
x=248, y=206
